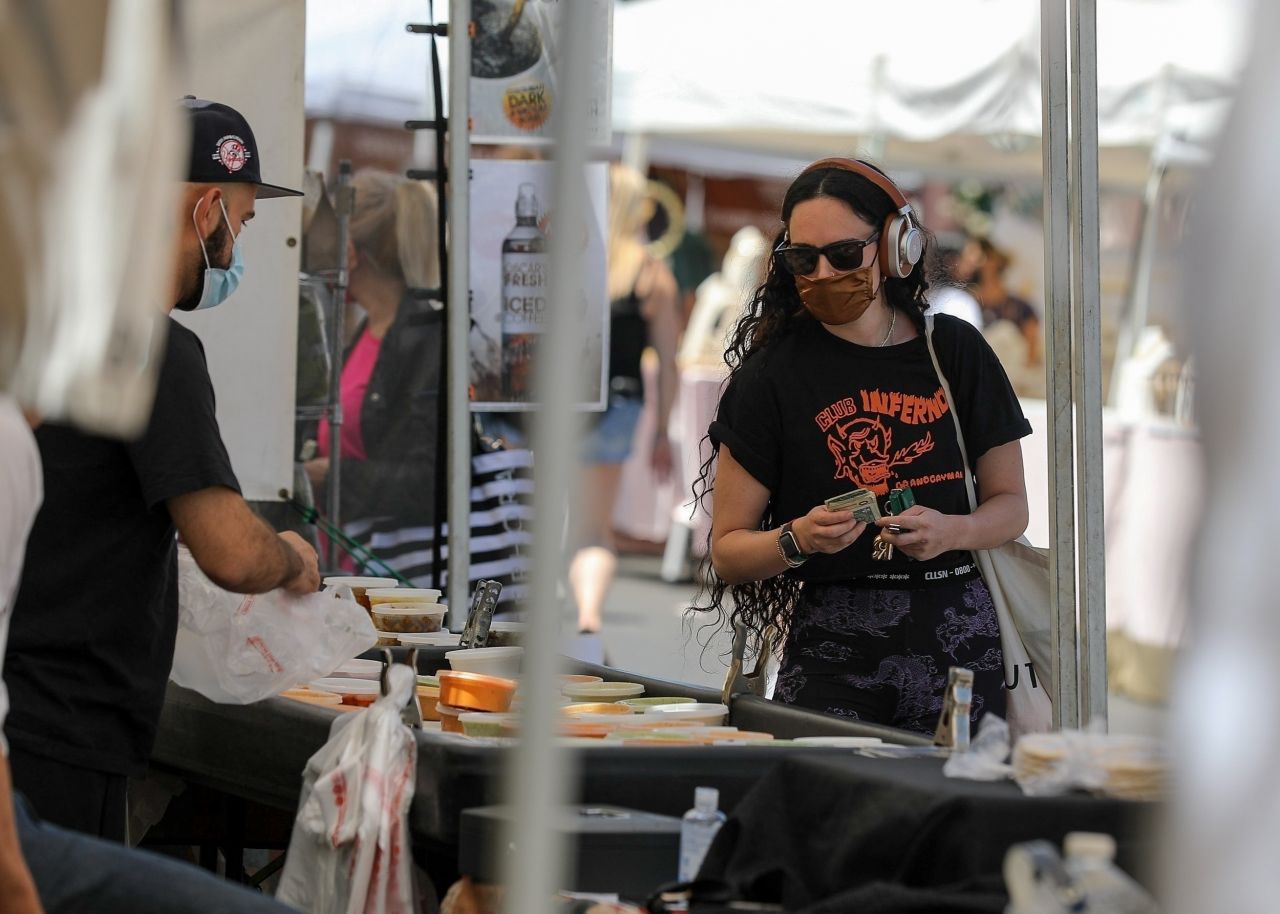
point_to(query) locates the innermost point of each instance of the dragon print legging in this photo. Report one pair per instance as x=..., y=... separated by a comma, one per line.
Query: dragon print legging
x=881, y=655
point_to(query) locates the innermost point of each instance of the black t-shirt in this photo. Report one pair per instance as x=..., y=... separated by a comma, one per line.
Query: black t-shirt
x=92, y=635
x=812, y=416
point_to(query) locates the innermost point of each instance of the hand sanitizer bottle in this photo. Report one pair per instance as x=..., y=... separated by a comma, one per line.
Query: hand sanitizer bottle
x=697, y=830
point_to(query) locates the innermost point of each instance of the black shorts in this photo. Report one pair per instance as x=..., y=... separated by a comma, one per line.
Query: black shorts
x=881, y=655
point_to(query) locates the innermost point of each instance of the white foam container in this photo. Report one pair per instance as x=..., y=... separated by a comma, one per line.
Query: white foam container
x=489, y=661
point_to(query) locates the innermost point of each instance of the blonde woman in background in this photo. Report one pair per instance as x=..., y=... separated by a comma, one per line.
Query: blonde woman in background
x=643, y=312
x=391, y=373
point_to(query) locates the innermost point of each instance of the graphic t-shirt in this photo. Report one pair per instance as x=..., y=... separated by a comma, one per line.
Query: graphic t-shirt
x=812, y=416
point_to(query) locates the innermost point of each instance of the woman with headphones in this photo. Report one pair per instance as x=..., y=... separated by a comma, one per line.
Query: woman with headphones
x=832, y=389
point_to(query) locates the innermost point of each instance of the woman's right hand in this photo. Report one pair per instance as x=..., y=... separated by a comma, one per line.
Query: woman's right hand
x=823, y=531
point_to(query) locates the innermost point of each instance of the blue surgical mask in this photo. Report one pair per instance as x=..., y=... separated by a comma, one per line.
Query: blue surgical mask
x=219, y=283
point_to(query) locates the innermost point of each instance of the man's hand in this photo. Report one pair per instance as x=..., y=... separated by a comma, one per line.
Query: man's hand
x=317, y=470
x=307, y=580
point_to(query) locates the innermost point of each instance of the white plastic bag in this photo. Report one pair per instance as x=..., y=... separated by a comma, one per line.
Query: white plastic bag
x=238, y=649
x=349, y=852
x=985, y=758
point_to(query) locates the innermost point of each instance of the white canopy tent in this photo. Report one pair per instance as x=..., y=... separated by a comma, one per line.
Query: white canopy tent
x=756, y=86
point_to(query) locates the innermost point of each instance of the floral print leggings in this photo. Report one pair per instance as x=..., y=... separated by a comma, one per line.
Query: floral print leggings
x=881, y=654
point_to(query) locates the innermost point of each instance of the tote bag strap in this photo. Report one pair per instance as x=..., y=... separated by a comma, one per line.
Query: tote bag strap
x=955, y=416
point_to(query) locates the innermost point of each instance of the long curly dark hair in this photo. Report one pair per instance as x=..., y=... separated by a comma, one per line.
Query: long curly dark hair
x=775, y=311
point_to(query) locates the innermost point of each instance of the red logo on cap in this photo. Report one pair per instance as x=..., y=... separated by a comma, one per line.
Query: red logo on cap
x=232, y=153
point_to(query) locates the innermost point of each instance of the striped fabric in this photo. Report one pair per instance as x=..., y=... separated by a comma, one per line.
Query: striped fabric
x=501, y=514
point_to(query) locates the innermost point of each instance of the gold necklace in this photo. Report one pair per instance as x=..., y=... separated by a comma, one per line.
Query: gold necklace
x=893, y=319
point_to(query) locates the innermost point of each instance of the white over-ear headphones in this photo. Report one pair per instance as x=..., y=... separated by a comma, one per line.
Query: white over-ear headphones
x=901, y=241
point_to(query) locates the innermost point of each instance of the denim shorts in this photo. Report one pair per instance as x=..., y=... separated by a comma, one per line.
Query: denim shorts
x=608, y=439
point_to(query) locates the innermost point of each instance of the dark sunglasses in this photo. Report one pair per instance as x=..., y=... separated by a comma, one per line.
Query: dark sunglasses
x=802, y=259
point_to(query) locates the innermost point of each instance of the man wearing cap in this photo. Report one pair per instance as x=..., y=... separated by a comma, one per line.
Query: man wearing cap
x=96, y=615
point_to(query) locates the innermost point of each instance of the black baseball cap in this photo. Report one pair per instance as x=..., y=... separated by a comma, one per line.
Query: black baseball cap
x=223, y=148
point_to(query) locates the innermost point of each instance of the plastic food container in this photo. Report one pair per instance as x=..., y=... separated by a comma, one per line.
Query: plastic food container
x=640, y=705
x=595, y=707
x=484, y=724
x=742, y=736
x=359, y=586
x=428, y=698
x=602, y=691
x=568, y=678
x=490, y=661
x=449, y=718
x=417, y=595
x=312, y=696
x=710, y=714
x=430, y=639
x=581, y=729
x=387, y=639
x=407, y=617
x=359, y=692
x=839, y=742
x=474, y=692
x=505, y=634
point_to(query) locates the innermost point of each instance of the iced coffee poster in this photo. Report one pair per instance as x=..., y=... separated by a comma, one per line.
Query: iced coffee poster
x=512, y=223
x=516, y=67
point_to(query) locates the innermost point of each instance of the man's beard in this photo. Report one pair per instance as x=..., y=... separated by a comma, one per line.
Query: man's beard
x=193, y=283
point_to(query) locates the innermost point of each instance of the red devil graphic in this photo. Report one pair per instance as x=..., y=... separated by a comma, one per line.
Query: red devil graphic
x=863, y=450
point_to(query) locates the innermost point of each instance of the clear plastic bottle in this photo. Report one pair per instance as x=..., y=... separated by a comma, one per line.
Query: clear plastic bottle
x=697, y=830
x=1107, y=889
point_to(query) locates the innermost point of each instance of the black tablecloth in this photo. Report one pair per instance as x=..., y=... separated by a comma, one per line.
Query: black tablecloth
x=851, y=833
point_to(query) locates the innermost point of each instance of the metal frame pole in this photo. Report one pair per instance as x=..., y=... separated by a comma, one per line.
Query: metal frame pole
x=1087, y=358
x=343, y=206
x=540, y=773
x=1057, y=242
x=459, y=305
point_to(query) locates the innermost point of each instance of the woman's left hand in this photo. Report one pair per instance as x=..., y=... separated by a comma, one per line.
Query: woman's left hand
x=926, y=533
x=662, y=460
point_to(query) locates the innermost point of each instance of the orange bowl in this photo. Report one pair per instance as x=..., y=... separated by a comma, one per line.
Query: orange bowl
x=595, y=707
x=449, y=718
x=475, y=692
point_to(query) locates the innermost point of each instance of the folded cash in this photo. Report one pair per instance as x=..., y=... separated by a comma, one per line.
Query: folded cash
x=861, y=502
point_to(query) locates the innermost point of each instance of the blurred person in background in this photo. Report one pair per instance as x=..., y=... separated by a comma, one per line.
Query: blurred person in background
x=832, y=389
x=390, y=375
x=96, y=615
x=947, y=294
x=644, y=311
x=982, y=265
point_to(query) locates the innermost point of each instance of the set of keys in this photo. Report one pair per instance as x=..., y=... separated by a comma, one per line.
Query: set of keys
x=899, y=501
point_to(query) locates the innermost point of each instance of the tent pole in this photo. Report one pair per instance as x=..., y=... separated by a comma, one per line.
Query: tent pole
x=459, y=405
x=539, y=773
x=1058, y=361
x=1087, y=359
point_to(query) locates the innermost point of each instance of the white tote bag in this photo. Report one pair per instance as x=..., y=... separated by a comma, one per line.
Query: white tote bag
x=1017, y=574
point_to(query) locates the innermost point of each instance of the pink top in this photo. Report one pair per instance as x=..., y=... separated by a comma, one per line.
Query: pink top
x=356, y=375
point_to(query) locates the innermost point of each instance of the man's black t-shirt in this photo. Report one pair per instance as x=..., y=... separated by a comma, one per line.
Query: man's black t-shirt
x=92, y=635
x=812, y=416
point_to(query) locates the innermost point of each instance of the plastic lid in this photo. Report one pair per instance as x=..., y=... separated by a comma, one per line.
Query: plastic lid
x=1089, y=844
x=706, y=799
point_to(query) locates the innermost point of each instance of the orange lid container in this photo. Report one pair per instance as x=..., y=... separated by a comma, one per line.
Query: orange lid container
x=475, y=691
x=450, y=721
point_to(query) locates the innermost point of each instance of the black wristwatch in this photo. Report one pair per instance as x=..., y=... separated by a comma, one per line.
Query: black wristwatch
x=789, y=548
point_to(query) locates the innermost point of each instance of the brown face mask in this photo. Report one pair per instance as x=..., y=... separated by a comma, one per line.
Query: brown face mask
x=837, y=299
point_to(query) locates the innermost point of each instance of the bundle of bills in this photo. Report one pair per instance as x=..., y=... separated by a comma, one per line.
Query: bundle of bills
x=861, y=502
